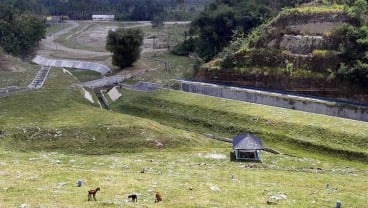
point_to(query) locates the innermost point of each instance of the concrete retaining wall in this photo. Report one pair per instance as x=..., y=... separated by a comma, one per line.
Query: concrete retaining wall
x=338, y=109
x=100, y=68
x=299, y=44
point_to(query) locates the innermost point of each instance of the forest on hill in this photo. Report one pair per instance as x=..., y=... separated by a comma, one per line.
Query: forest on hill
x=19, y=32
x=122, y=9
x=313, y=47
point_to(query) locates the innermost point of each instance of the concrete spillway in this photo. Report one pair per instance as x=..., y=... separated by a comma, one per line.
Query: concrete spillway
x=100, y=68
x=307, y=104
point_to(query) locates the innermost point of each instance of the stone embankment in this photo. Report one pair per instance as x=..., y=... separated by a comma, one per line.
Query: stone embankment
x=100, y=68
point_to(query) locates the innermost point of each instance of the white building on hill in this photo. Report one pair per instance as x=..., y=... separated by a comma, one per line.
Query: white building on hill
x=103, y=17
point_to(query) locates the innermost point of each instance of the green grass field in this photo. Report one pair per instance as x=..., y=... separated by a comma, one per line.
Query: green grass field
x=318, y=133
x=52, y=137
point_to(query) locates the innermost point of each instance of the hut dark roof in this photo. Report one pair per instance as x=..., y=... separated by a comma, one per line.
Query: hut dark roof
x=247, y=141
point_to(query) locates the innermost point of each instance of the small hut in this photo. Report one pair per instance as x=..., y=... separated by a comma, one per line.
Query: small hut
x=246, y=147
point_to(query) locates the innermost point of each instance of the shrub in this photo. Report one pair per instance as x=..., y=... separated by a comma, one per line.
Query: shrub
x=324, y=53
x=124, y=43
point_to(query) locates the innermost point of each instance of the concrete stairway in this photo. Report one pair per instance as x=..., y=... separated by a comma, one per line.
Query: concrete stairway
x=40, y=78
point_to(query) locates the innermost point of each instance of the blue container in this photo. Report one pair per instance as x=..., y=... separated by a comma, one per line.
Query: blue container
x=338, y=204
x=79, y=183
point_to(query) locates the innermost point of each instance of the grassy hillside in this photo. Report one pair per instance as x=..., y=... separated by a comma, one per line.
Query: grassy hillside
x=52, y=137
x=57, y=117
x=327, y=135
x=13, y=71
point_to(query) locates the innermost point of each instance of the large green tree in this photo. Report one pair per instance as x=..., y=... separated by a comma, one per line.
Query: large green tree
x=19, y=33
x=125, y=46
x=215, y=25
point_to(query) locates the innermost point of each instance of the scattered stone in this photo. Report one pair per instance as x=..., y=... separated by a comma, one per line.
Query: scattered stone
x=2, y=173
x=271, y=202
x=158, y=143
x=60, y=185
x=107, y=178
x=251, y=166
x=55, y=161
x=191, y=188
x=215, y=188
x=35, y=177
x=216, y=156
x=58, y=133
x=24, y=206
x=276, y=198
x=18, y=175
x=143, y=170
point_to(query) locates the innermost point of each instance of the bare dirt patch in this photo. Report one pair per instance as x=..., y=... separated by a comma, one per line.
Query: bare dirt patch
x=4, y=63
x=7, y=63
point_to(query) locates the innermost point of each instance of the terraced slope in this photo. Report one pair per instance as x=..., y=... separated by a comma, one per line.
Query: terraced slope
x=295, y=52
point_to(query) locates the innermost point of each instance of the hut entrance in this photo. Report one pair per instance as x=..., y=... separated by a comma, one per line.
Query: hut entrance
x=246, y=147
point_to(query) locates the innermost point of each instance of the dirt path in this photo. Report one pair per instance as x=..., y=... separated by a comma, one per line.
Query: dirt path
x=48, y=45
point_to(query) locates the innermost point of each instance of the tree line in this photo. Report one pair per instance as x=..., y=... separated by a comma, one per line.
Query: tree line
x=83, y=9
x=216, y=25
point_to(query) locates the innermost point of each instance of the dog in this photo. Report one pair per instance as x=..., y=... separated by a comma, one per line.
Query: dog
x=158, y=197
x=92, y=193
x=134, y=197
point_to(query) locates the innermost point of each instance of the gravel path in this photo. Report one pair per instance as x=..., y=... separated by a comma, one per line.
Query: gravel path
x=49, y=44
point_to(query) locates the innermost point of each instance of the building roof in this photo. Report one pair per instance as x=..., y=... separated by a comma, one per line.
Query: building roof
x=247, y=141
x=103, y=16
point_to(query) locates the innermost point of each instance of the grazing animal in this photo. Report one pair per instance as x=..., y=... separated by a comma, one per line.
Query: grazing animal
x=158, y=197
x=134, y=197
x=92, y=193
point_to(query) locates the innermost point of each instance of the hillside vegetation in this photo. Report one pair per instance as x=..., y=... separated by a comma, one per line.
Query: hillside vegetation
x=318, y=48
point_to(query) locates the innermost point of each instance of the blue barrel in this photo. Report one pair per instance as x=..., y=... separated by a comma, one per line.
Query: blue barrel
x=338, y=204
x=79, y=183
